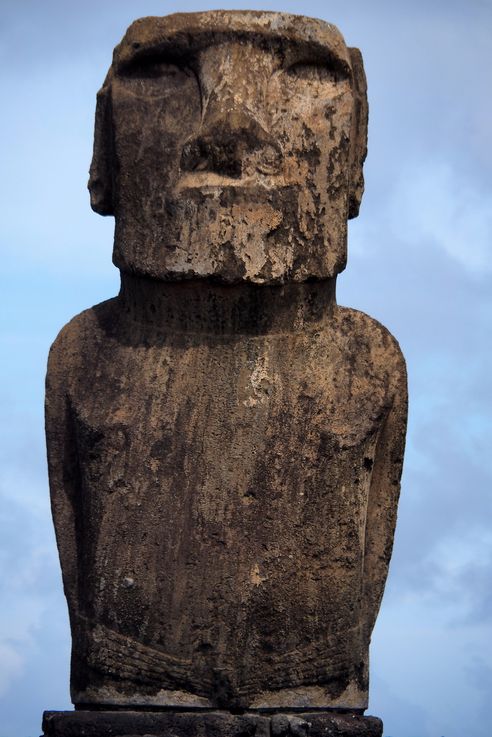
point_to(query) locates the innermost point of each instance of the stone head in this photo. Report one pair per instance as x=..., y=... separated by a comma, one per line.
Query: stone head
x=229, y=145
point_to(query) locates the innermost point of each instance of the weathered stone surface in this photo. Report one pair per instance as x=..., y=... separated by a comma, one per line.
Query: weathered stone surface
x=154, y=723
x=211, y=724
x=225, y=443
x=243, y=131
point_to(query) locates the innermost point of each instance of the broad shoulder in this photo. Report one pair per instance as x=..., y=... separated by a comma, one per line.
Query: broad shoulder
x=369, y=340
x=79, y=338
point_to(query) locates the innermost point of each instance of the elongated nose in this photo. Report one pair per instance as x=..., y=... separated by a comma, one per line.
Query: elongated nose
x=232, y=145
x=233, y=139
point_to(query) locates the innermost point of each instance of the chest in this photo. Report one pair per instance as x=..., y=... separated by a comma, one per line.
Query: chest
x=220, y=411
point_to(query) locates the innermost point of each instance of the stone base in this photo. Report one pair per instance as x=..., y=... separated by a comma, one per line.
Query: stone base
x=208, y=724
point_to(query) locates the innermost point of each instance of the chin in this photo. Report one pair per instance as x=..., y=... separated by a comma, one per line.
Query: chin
x=231, y=236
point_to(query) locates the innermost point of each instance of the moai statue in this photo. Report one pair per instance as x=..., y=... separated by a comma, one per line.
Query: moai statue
x=225, y=442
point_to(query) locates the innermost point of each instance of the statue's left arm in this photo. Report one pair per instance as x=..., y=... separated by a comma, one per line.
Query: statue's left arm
x=383, y=496
x=63, y=464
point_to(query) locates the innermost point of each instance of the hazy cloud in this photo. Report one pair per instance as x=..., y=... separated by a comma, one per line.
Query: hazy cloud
x=436, y=204
x=419, y=260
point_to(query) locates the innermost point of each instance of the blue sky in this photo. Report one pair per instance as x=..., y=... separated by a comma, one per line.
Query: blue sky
x=419, y=261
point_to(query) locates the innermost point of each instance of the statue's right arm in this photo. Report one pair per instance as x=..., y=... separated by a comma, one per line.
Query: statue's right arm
x=63, y=468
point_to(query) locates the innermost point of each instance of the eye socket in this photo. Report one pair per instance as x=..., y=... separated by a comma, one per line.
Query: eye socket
x=156, y=76
x=155, y=67
x=313, y=72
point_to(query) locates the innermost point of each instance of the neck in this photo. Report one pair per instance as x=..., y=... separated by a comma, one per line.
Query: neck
x=200, y=306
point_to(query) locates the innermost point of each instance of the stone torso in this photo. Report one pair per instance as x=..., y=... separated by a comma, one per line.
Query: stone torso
x=223, y=486
x=225, y=444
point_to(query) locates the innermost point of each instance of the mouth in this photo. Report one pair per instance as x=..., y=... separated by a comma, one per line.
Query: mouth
x=209, y=182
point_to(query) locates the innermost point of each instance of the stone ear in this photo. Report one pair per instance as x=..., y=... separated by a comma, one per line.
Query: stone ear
x=101, y=171
x=358, y=135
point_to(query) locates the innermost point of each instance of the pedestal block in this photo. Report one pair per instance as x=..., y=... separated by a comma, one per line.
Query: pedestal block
x=208, y=724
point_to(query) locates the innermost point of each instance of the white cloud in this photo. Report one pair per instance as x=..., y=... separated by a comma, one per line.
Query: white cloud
x=11, y=665
x=29, y=570
x=410, y=633
x=433, y=202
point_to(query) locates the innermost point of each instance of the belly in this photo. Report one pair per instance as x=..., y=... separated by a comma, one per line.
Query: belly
x=223, y=503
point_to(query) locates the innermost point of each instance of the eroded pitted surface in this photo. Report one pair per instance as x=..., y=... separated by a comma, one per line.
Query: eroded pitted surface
x=225, y=443
x=211, y=724
x=231, y=151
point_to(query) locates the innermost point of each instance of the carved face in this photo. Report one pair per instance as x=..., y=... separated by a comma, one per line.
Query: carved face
x=230, y=151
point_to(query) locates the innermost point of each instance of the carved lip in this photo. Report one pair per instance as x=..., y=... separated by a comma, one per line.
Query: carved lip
x=209, y=181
